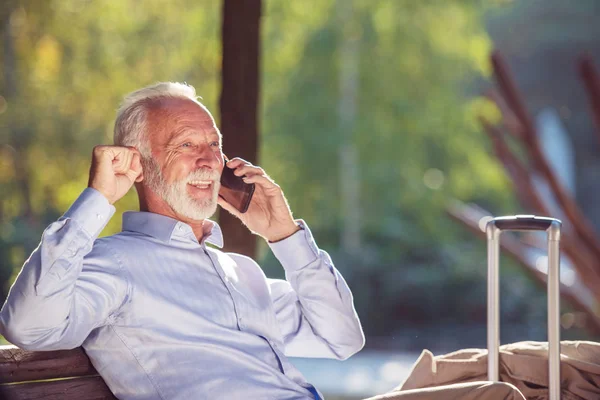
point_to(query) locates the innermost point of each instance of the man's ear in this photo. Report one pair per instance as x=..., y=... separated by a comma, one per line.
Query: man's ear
x=137, y=163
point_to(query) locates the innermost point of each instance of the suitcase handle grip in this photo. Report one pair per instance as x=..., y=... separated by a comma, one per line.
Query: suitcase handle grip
x=494, y=230
x=523, y=223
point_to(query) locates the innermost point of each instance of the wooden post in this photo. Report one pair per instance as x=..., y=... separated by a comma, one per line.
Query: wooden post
x=239, y=102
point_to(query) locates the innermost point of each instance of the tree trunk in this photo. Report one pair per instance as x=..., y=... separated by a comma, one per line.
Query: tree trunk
x=239, y=102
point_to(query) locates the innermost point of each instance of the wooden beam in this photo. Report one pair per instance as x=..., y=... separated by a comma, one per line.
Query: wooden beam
x=572, y=212
x=584, y=261
x=470, y=216
x=239, y=103
x=591, y=82
x=18, y=365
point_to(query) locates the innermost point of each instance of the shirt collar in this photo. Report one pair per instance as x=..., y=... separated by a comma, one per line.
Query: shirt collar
x=164, y=228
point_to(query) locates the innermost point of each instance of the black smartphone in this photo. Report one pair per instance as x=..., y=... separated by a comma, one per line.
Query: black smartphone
x=234, y=190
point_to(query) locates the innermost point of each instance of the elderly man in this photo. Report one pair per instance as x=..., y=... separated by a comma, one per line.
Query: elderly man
x=161, y=314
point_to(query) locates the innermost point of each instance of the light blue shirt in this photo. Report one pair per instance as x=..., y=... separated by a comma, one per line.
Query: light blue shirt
x=162, y=316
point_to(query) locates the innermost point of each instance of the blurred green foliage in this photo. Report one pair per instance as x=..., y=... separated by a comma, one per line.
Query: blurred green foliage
x=416, y=118
x=66, y=64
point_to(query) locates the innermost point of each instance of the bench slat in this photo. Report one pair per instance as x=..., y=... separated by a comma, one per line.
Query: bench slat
x=88, y=388
x=18, y=365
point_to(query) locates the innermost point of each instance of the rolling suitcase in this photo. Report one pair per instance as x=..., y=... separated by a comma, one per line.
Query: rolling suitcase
x=494, y=229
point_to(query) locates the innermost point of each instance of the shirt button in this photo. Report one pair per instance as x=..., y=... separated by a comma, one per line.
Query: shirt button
x=180, y=227
x=99, y=216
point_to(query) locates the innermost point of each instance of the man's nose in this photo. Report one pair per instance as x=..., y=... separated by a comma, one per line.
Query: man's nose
x=206, y=157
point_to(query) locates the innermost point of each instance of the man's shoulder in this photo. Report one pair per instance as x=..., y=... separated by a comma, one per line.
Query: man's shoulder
x=120, y=241
x=120, y=248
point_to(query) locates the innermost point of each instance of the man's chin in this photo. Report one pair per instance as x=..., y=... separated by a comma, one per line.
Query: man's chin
x=194, y=207
x=199, y=213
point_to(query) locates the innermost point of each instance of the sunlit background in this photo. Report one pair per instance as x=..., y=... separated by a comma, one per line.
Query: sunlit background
x=369, y=120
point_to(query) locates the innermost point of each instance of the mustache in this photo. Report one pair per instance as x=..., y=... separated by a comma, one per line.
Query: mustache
x=203, y=174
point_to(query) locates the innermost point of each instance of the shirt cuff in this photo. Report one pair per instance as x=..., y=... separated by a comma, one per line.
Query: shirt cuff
x=296, y=251
x=91, y=211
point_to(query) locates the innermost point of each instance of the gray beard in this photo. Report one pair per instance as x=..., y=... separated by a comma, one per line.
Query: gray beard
x=176, y=195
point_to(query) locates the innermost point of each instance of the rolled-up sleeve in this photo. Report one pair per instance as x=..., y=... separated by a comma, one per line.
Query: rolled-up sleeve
x=314, y=305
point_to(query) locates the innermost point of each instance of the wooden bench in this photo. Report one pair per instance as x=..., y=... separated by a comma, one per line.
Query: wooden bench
x=49, y=375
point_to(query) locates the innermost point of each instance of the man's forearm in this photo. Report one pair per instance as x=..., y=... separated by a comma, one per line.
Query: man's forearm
x=325, y=299
x=43, y=295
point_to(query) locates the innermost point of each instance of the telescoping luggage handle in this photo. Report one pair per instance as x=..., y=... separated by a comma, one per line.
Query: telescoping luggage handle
x=525, y=223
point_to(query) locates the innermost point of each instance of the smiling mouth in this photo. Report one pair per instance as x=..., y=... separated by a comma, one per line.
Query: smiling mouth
x=201, y=184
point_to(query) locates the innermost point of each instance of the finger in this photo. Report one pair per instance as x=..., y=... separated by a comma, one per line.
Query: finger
x=223, y=203
x=129, y=159
x=248, y=170
x=132, y=177
x=236, y=162
x=134, y=150
x=103, y=159
x=106, y=155
x=123, y=163
x=261, y=180
x=117, y=157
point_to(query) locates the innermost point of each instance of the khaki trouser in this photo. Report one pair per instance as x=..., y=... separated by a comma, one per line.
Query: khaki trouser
x=458, y=391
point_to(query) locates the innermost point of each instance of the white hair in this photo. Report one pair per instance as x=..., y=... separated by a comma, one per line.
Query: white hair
x=130, y=124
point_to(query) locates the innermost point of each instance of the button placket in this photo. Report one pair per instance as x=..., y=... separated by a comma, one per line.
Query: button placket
x=227, y=284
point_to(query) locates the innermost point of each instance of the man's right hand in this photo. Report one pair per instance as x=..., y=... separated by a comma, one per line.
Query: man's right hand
x=114, y=170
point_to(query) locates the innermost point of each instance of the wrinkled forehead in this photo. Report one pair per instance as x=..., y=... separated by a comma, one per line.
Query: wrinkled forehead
x=167, y=115
x=171, y=108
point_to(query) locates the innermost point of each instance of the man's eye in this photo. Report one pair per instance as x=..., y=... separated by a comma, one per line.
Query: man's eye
x=215, y=144
x=187, y=144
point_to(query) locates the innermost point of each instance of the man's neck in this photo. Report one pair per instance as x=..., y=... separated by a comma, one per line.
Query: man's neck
x=149, y=202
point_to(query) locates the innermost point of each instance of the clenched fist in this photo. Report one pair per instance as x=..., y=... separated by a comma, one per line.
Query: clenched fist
x=114, y=170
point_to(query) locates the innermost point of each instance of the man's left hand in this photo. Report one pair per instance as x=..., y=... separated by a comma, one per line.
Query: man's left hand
x=269, y=214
